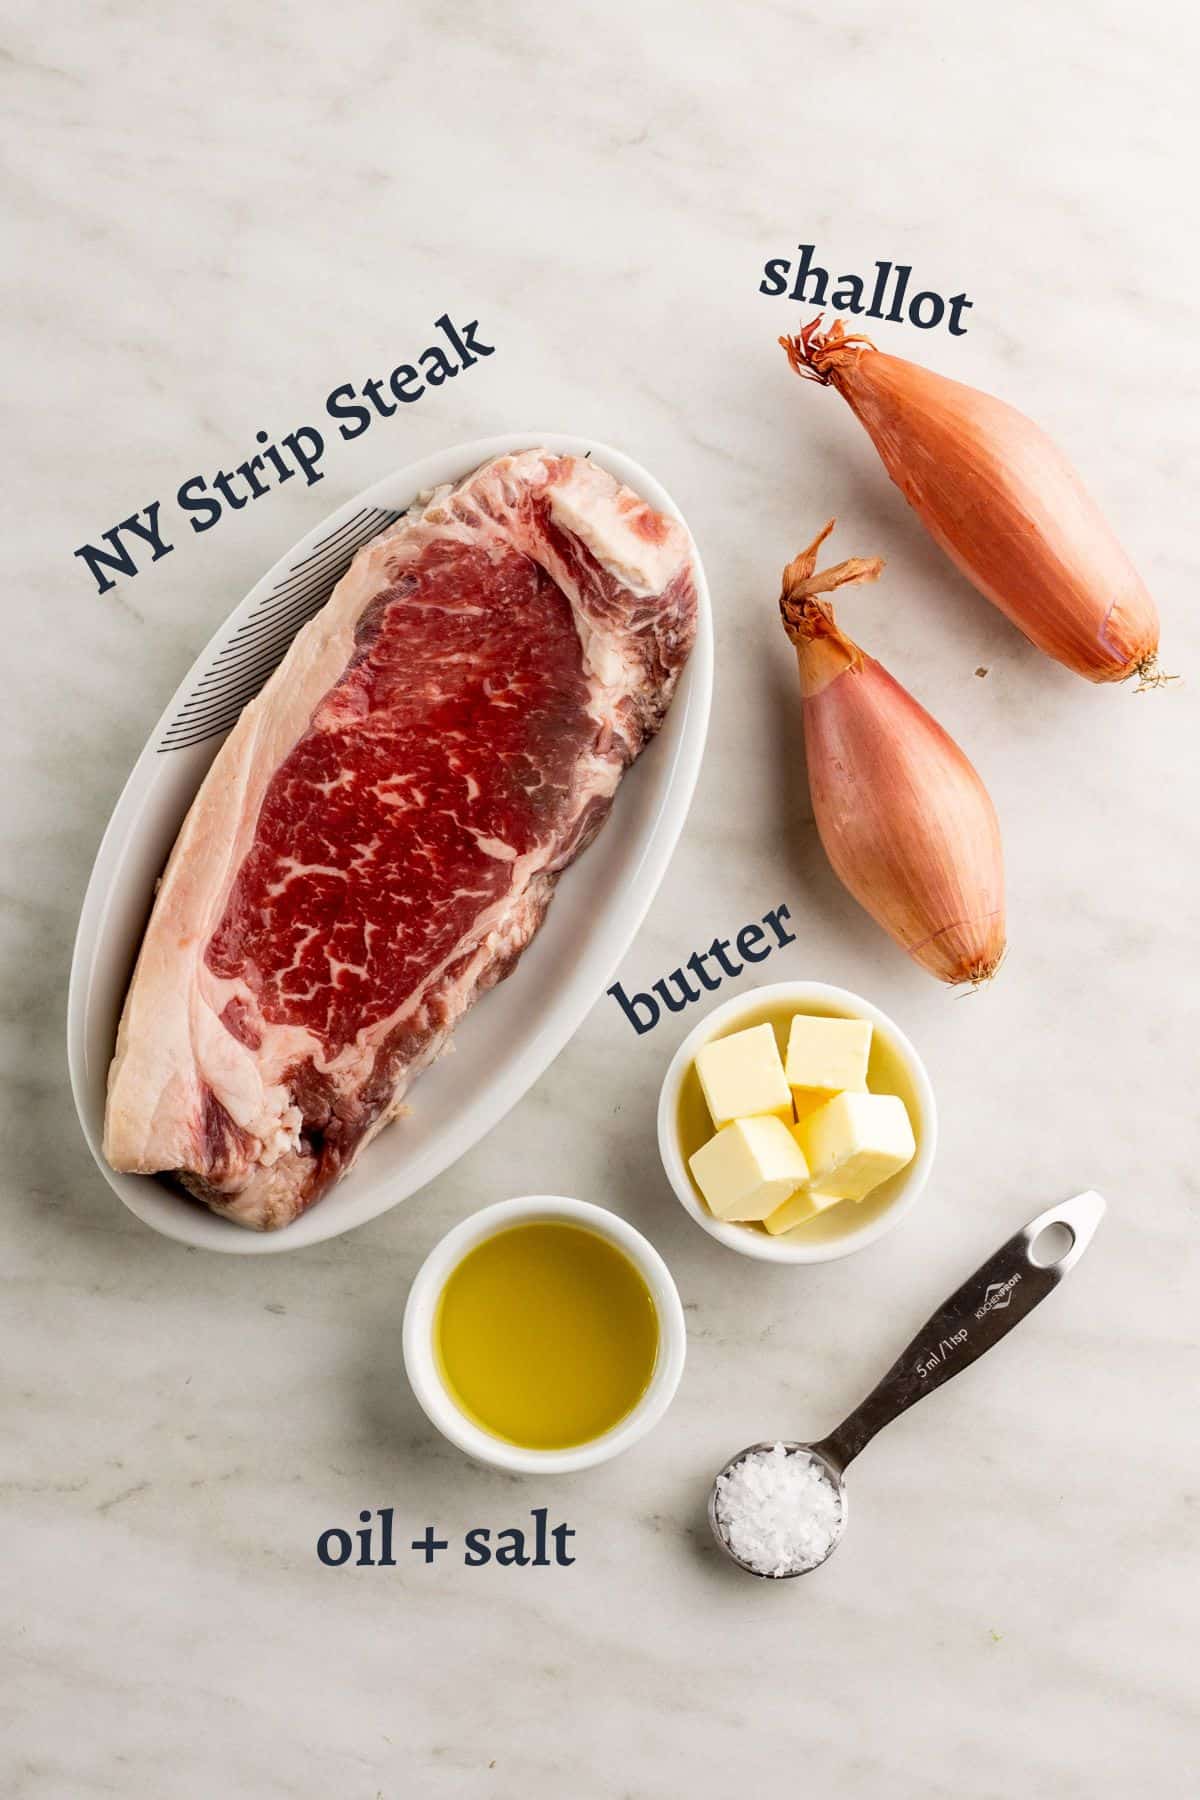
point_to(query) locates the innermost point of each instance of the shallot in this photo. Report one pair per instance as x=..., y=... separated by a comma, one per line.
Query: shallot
x=1002, y=501
x=905, y=820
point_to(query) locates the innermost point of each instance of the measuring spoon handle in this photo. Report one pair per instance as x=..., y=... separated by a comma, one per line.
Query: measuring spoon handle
x=982, y=1311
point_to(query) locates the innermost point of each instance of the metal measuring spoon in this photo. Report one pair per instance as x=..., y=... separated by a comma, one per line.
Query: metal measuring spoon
x=982, y=1311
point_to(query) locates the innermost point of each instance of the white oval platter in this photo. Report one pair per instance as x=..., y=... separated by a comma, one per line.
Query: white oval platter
x=516, y=1031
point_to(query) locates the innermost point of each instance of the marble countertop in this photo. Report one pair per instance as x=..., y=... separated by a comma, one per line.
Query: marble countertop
x=217, y=218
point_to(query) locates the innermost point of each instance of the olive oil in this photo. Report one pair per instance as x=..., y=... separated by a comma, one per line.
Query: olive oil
x=546, y=1335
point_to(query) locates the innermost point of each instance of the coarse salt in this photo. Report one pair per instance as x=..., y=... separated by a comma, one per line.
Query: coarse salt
x=778, y=1511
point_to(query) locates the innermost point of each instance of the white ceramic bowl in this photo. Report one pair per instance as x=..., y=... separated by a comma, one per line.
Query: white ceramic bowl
x=420, y=1362
x=841, y=1229
x=515, y=1032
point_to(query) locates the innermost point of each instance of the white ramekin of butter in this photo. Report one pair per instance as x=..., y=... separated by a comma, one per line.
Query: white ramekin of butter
x=797, y=1123
x=544, y=1335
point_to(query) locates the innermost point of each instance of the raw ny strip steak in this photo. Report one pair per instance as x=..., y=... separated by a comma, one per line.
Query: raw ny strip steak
x=380, y=835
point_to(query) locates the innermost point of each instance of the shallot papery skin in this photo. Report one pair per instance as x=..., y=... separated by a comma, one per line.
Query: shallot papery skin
x=905, y=820
x=1002, y=501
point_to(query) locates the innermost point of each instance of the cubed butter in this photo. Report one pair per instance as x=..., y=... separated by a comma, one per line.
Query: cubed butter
x=854, y=1142
x=826, y=1057
x=742, y=1077
x=807, y=1100
x=749, y=1169
x=804, y=1204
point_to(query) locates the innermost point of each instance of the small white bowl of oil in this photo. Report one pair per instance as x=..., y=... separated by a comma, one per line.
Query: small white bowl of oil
x=544, y=1335
x=684, y=1123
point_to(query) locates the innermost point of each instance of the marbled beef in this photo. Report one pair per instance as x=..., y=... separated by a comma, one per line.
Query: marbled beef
x=380, y=835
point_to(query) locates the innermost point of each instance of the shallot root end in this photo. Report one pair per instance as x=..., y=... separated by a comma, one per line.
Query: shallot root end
x=1150, y=675
x=972, y=980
